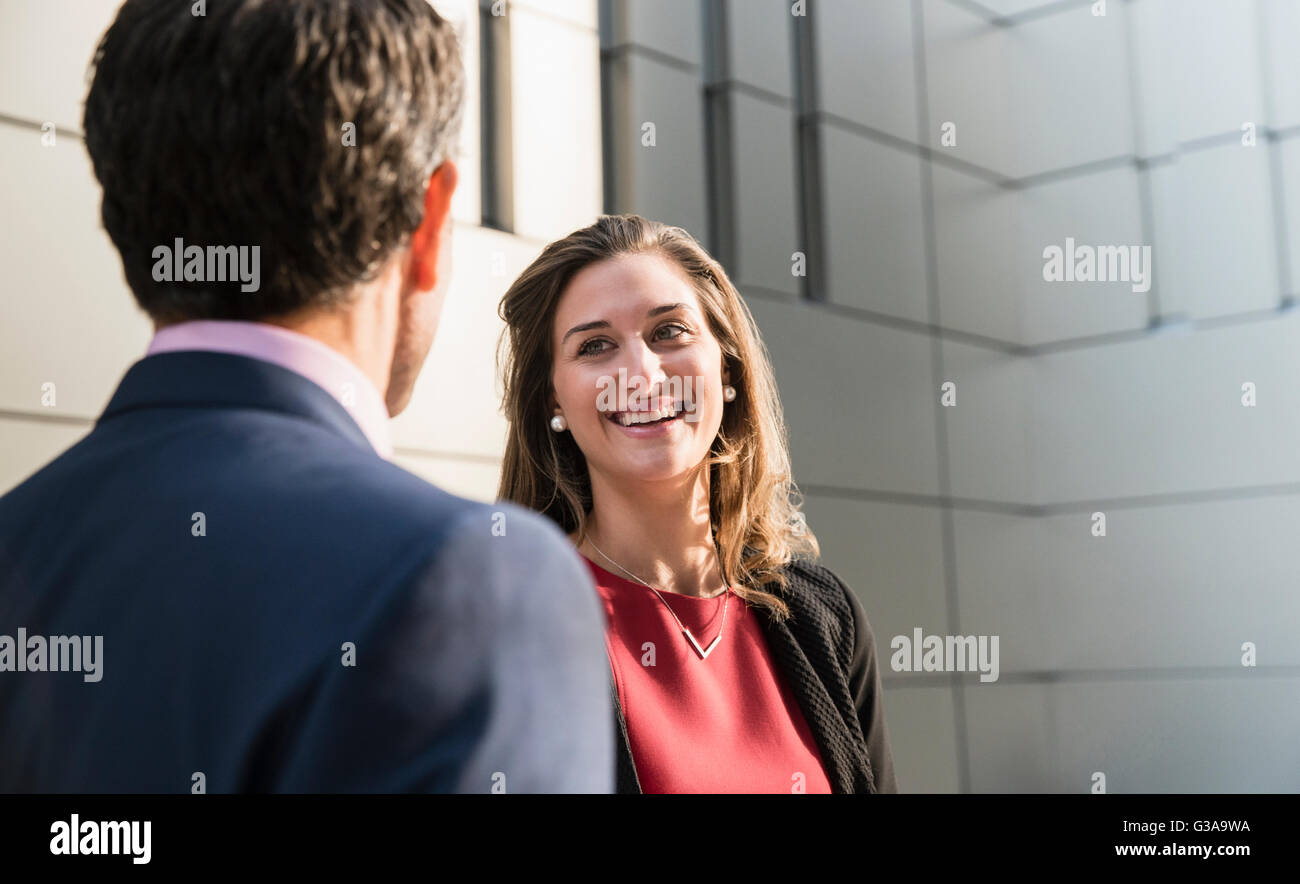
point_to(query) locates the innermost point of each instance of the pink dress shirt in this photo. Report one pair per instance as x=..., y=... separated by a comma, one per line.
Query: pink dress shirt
x=317, y=362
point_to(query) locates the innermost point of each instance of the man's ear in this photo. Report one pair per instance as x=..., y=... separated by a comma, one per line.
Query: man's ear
x=427, y=238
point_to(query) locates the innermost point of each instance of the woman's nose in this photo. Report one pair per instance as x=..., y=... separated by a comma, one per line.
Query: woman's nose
x=647, y=366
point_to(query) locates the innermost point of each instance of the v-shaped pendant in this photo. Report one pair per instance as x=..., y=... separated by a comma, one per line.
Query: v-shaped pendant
x=703, y=652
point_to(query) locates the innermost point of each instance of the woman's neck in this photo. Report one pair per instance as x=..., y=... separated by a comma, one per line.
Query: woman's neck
x=657, y=531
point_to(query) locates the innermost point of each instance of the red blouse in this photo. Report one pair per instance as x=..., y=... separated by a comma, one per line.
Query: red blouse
x=728, y=723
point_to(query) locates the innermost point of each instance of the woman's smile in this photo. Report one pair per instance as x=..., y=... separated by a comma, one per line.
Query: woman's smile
x=646, y=423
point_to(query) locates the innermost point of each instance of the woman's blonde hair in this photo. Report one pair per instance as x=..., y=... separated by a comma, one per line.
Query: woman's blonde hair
x=753, y=502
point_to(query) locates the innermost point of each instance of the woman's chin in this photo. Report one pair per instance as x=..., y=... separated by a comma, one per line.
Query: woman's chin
x=652, y=469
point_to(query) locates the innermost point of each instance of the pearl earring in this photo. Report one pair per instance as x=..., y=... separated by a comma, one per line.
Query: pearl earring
x=559, y=424
x=729, y=393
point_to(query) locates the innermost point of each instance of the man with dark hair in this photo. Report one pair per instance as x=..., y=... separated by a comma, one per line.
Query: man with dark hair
x=226, y=586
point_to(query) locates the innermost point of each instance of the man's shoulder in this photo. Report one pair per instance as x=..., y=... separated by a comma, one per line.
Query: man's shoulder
x=403, y=494
x=504, y=545
x=483, y=541
x=266, y=481
x=492, y=533
x=492, y=541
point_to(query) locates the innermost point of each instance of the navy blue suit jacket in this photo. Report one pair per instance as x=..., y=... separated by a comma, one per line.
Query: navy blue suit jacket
x=336, y=624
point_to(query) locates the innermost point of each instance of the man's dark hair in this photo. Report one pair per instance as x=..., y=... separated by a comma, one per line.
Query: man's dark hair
x=308, y=128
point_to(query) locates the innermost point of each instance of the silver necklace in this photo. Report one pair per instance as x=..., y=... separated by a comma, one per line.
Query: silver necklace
x=690, y=637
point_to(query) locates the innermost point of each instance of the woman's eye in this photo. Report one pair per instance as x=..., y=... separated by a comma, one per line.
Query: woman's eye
x=591, y=347
x=677, y=330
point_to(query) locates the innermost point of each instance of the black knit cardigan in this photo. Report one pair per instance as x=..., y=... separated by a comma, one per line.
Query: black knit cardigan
x=826, y=653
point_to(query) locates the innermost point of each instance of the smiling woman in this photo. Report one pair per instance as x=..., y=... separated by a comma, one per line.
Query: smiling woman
x=615, y=336
x=641, y=297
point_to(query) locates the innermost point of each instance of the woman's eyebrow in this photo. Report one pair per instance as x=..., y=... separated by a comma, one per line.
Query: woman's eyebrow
x=586, y=326
x=604, y=323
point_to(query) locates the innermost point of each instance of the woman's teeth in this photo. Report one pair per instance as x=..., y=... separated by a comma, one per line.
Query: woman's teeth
x=631, y=418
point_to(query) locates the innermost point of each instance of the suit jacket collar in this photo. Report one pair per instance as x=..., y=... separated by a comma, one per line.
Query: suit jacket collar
x=198, y=379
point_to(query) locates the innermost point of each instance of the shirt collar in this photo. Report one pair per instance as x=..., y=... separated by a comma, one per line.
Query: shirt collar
x=318, y=362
